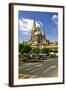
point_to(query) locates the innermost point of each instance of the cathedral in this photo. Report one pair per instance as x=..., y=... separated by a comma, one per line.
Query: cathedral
x=38, y=37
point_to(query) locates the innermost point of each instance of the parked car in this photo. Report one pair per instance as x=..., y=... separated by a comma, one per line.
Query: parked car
x=43, y=55
x=53, y=54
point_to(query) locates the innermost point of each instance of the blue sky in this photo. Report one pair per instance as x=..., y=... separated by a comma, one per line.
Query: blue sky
x=47, y=21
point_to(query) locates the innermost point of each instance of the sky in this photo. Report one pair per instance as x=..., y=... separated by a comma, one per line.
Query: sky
x=47, y=21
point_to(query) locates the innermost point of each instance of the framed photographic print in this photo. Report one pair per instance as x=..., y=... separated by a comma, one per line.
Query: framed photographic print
x=36, y=44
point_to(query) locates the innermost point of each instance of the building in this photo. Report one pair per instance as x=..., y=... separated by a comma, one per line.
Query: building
x=38, y=38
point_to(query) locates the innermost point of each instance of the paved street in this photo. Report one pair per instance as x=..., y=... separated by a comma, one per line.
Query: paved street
x=46, y=68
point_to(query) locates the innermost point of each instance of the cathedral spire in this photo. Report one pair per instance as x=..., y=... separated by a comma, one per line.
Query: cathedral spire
x=34, y=26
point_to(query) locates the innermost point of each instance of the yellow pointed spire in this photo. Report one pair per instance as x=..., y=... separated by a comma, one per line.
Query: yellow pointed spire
x=34, y=27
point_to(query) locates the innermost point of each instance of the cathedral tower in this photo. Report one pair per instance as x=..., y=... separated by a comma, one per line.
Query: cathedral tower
x=33, y=30
x=37, y=36
x=34, y=27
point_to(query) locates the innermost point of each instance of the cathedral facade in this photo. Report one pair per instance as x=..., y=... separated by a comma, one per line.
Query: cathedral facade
x=38, y=37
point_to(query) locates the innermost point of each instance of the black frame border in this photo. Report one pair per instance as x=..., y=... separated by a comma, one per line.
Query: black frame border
x=11, y=43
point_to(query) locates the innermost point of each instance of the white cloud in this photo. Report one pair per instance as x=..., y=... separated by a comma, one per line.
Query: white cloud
x=25, y=25
x=27, y=33
x=55, y=19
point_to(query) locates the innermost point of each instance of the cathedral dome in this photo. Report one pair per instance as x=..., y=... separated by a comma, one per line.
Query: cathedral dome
x=37, y=33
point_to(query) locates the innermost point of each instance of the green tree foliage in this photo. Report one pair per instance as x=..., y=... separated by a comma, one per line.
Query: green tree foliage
x=36, y=50
x=24, y=48
x=45, y=50
x=55, y=50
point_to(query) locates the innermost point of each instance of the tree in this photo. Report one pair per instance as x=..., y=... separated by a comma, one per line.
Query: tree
x=55, y=50
x=24, y=48
x=36, y=50
x=45, y=50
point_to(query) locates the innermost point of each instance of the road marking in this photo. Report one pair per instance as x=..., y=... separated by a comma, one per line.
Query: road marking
x=52, y=67
x=27, y=66
x=39, y=65
x=34, y=67
x=35, y=70
x=30, y=67
x=24, y=76
x=32, y=64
